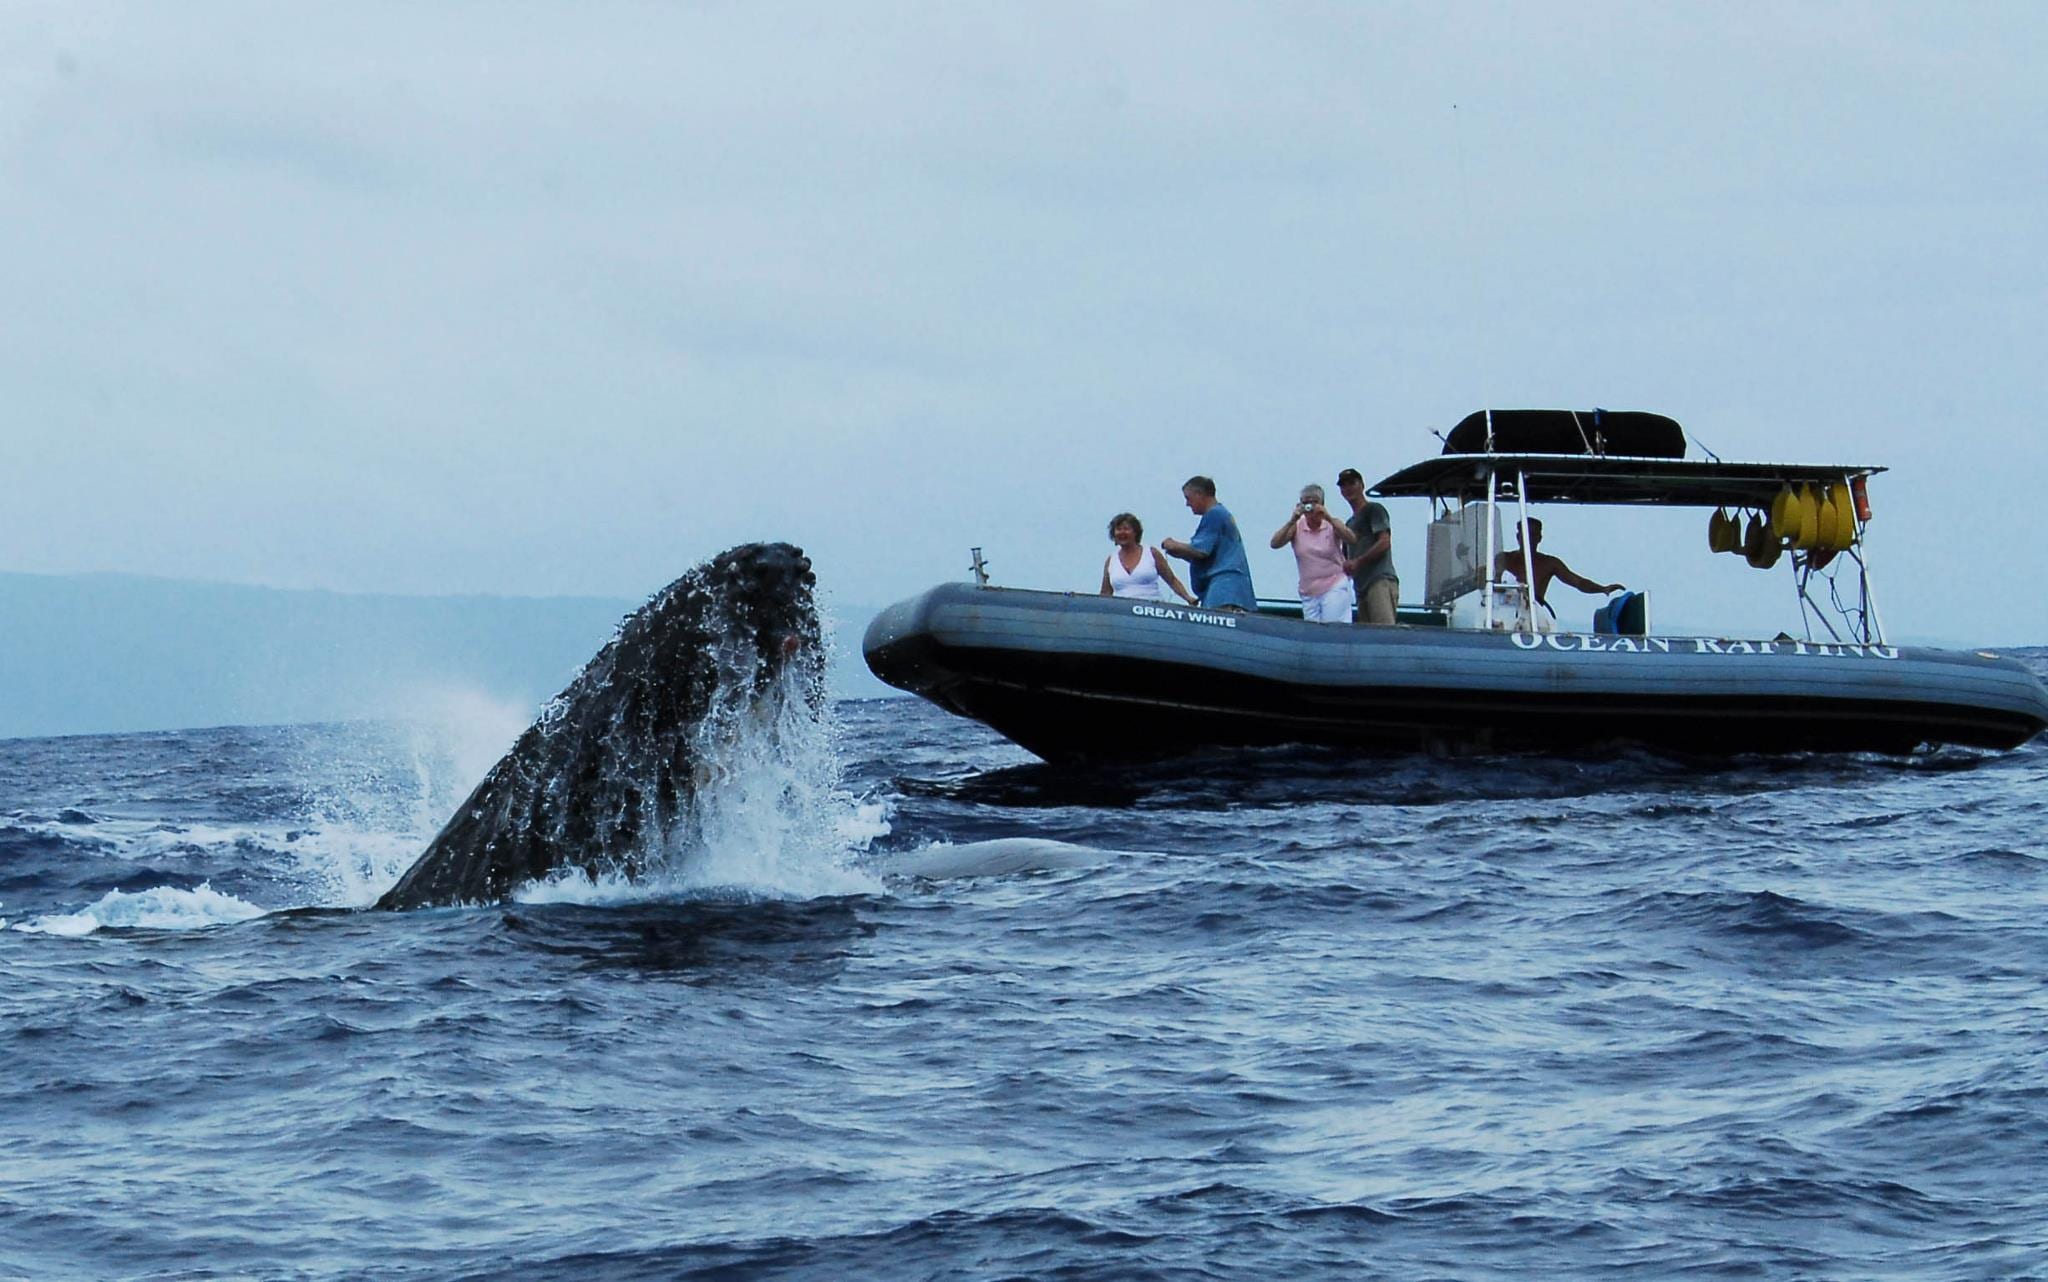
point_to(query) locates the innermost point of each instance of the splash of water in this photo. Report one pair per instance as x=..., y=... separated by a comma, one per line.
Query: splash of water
x=371, y=795
x=161, y=908
x=763, y=814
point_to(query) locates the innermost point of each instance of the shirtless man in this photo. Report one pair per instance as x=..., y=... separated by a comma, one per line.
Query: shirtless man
x=1548, y=567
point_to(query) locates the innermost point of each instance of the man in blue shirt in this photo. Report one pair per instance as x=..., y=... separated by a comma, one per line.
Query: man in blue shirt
x=1216, y=563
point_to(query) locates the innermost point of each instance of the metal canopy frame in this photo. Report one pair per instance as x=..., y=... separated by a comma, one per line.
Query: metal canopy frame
x=1609, y=479
x=1645, y=482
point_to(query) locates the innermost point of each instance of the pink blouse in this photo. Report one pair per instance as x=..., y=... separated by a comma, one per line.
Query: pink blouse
x=1319, y=557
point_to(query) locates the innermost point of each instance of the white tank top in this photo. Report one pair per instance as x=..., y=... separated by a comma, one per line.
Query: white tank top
x=1142, y=582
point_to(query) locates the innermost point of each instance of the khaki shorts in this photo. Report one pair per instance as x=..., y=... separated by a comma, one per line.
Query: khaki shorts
x=1377, y=605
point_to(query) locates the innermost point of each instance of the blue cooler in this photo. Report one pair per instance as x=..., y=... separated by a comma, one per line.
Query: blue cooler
x=1628, y=615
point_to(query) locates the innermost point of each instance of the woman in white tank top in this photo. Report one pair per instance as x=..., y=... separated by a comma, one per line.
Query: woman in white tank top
x=1134, y=570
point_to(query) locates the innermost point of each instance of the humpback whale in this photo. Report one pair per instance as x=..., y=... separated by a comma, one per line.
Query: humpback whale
x=608, y=772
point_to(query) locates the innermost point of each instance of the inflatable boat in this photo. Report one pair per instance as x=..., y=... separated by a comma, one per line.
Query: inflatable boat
x=1476, y=666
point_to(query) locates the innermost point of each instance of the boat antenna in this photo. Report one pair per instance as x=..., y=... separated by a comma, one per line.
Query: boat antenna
x=1583, y=438
x=1703, y=448
x=980, y=568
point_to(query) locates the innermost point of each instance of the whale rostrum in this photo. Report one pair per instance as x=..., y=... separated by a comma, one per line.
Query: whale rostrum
x=607, y=773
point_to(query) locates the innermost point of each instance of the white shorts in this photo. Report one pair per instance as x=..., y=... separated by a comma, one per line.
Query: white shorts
x=1333, y=606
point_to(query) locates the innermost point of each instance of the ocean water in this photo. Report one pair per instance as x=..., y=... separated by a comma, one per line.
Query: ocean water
x=926, y=1009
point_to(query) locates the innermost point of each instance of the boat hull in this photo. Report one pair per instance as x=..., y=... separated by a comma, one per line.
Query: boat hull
x=1078, y=678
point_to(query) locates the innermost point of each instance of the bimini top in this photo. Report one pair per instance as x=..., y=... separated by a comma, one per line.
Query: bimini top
x=1576, y=456
x=1626, y=432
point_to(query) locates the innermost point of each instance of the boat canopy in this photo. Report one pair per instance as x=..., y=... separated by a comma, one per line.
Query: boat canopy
x=1609, y=479
x=1626, y=432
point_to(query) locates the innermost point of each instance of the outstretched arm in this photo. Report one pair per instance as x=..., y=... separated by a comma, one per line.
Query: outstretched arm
x=1185, y=551
x=1584, y=584
x=1172, y=579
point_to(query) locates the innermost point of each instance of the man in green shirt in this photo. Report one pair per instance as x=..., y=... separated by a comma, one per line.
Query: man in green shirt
x=1371, y=565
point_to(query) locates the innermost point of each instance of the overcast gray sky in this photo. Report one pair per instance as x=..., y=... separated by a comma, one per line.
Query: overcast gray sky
x=561, y=298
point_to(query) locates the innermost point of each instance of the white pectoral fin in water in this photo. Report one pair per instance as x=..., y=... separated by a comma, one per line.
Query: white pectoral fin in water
x=1001, y=856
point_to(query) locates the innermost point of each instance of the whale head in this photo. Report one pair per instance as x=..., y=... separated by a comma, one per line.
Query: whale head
x=762, y=604
x=606, y=777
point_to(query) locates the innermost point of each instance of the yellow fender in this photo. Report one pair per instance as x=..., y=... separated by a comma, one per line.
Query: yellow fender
x=1759, y=546
x=1809, y=519
x=1724, y=532
x=1830, y=522
x=1783, y=521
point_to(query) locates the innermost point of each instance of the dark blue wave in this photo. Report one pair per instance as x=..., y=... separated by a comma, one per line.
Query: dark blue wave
x=1619, y=1015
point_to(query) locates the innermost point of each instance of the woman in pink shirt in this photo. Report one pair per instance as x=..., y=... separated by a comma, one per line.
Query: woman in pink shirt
x=1319, y=543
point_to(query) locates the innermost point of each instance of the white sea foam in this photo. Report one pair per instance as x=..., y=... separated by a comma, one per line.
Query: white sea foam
x=766, y=816
x=336, y=863
x=161, y=908
x=372, y=802
x=351, y=867
x=865, y=823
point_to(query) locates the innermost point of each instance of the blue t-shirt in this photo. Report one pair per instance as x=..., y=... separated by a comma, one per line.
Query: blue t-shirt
x=1223, y=577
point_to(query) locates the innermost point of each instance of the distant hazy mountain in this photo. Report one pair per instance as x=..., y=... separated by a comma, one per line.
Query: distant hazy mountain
x=83, y=654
